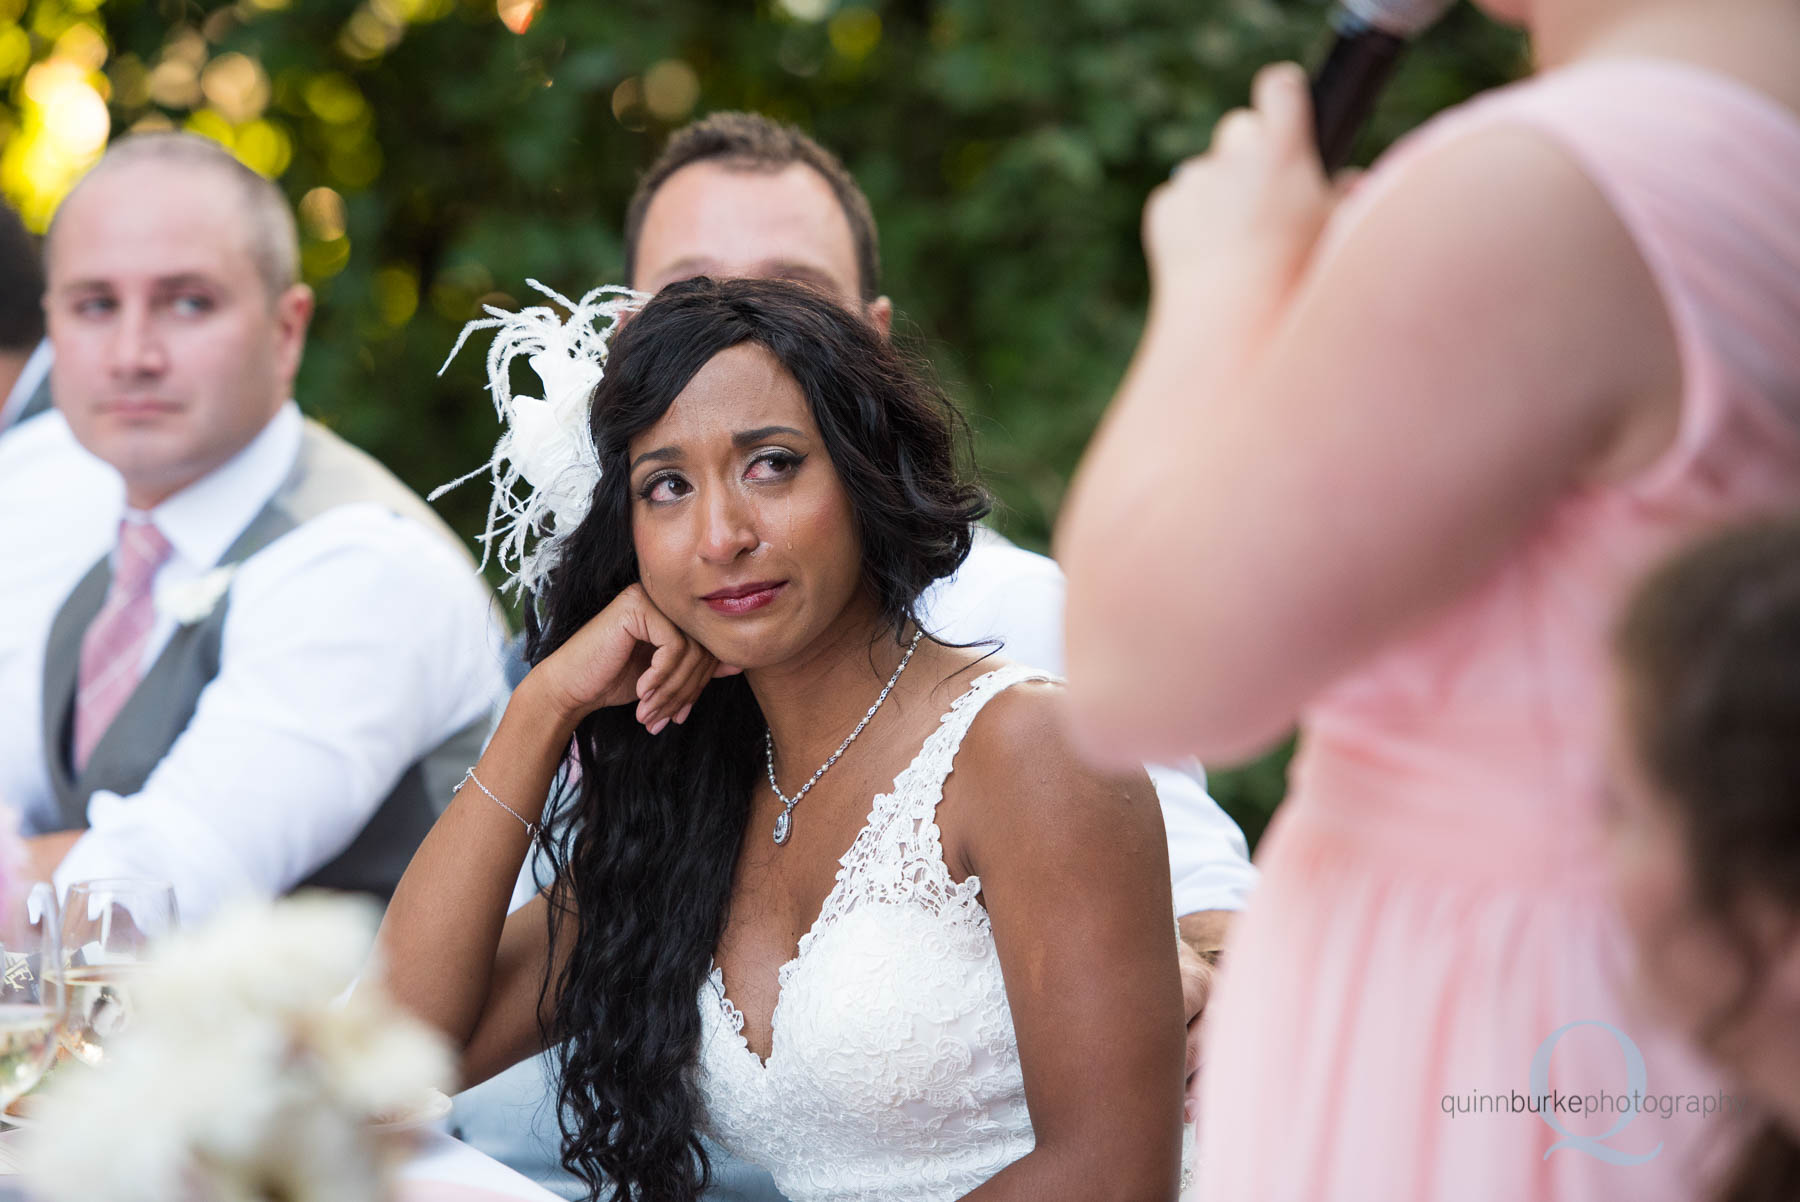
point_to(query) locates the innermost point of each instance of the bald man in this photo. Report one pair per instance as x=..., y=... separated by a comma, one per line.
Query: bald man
x=283, y=662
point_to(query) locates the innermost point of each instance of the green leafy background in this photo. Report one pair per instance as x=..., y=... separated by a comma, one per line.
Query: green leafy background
x=440, y=159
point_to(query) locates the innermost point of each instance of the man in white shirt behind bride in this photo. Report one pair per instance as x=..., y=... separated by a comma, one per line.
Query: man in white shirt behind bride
x=284, y=662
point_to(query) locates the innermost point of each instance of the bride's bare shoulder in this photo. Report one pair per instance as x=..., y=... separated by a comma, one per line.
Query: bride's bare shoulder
x=1024, y=720
x=1017, y=762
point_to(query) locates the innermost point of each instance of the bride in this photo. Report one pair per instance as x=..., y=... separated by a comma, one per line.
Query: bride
x=778, y=916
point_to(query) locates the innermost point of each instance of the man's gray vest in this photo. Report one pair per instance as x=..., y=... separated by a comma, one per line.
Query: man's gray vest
x=328, y=472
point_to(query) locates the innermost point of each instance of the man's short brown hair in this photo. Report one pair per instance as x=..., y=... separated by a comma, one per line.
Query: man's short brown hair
x=269, y=222
x=753, y=142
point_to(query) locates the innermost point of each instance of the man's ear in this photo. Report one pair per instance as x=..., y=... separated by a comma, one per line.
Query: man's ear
x=880, y=313
x=293, y=313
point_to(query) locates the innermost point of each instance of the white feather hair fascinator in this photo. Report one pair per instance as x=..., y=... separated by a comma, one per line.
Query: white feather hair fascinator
x=547, y=445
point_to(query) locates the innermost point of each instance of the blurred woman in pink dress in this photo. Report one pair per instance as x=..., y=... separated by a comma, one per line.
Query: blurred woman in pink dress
x=1387, y=465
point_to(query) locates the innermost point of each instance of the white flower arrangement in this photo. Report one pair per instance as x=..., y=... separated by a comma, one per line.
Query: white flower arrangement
x=246, y=1075
x=190, y=601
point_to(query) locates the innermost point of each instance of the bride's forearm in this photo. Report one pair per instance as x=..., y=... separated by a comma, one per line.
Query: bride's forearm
x=443, y=927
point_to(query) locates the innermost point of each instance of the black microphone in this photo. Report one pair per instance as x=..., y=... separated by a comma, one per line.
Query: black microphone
x=1370, y=36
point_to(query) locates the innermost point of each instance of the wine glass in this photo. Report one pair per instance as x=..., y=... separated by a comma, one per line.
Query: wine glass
x=31, y=989
x=108, y=929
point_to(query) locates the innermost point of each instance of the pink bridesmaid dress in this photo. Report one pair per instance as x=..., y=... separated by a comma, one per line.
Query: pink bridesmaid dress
x=1433, y=909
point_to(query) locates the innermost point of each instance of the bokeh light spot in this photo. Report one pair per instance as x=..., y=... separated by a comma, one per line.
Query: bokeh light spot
x=322, y=214
x=131, y=82
x=354, y=165
x=83, y=45
x=15, y=51
x=517, y=15
x=671, y=89
x=806, y=10
x=334, y=99
x=396, y=288
x=369, y=34
x=74, y=115
x=854, y=33
x=265, y=148
x=322, y=260
x=175, y=84
x=237, y=86
x=628, y=103
x=187, y=45
x=209, y=124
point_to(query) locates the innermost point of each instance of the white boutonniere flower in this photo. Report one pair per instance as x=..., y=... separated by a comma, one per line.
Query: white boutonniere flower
x=190, y=601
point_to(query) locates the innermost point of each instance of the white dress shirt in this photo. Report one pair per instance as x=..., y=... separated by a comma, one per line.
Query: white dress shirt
x=352, y=646
x=1003, y=591
x=59, y=512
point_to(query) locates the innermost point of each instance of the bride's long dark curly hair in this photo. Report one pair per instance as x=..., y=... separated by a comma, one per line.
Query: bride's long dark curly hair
x=646, y=842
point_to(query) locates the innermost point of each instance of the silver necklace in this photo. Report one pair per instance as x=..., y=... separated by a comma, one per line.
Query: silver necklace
x=784, y=824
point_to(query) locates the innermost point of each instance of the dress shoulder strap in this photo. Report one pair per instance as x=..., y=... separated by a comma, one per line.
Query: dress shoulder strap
x=921, y=786
x=899, y=857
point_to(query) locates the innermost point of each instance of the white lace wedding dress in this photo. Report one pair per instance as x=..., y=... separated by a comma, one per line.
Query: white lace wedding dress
x=893, y=1072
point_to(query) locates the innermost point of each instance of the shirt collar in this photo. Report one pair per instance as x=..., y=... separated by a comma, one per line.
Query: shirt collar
x=30, y=377
x=203, y=519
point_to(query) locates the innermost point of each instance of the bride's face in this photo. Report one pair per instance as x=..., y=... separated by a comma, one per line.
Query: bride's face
x=745, y=536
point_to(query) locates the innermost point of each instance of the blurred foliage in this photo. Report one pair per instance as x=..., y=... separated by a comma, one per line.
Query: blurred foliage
x=442, y=151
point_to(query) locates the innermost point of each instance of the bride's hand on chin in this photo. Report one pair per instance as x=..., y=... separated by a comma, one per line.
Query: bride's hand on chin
x=629, y=653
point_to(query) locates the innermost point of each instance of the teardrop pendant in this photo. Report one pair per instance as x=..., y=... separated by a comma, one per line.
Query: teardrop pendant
x=784, y=824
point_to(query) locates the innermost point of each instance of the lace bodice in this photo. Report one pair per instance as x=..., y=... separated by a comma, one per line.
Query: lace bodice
x=893, y=1072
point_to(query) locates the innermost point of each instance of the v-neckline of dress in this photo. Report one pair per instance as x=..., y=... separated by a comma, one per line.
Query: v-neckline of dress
x=735, y=1017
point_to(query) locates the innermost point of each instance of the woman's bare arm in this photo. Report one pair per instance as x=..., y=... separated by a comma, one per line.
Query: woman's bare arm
x=453, y=955
x=1074, y=872
x=1312, y=454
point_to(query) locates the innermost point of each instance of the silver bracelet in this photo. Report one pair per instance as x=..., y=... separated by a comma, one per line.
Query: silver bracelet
x=531, y=828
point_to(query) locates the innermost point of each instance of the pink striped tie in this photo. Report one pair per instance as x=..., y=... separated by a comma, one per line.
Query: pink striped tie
x=112, y=651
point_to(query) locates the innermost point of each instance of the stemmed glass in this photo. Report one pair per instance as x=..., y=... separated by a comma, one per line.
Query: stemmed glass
x=31, y=989
x=108, y=929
